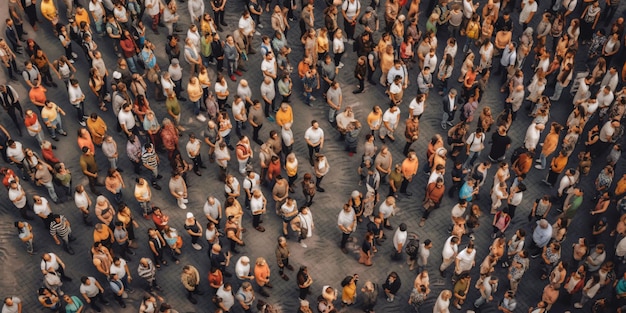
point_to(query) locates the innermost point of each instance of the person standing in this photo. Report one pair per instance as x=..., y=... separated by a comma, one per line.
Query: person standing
x=10, y=100
x=409, y=169
x=194, y=229
x=150, y=160
x=60, y=229
x=91, y=290
x=190, y=279
x=346, y=222
x=90, y=168
x=314, y=137
x=449, y=253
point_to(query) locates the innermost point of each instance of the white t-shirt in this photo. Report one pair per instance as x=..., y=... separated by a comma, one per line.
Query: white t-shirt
x=256, y=205
x=417, y=107
x=238, y=107
x=268, y=66
x=228, y=300
x=399, y=237
x=528, y=8
x=314, y=135
x=385, y=209
x=75, y=94
x=42, y=208
x=14, y=193
x=119, y=270
x=127, y=119
x=449, y=250
x=345, y=219
x=466, y=260
x=45, y=265
x=219, y=88
x=391, y=117
x=351, y=7
x=242, y=270
x=96, y=9
x=17, y=152
x=80, y=199
x=475, y=142
x=90, y=290
x=247, y=24
x=212, y=210
x=192, y=146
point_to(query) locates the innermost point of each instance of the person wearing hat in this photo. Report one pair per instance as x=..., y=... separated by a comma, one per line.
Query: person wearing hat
x=370, y=20
x=194, y=229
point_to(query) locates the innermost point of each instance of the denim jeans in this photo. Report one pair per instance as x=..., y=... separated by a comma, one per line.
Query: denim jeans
x=56, y=126
x=53, y=195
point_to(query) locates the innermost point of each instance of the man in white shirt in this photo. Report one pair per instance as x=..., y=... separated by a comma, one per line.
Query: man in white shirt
x=464, y=261
x=77, y=98
x=391, y=117
x=268, y=65
x=193, y=152
x=529, y=7
x=314, y=137
x=448, y=254
x=91, y=290
x=126, y=119
x=213, y=210
x=399, y=239
x=242, y=268
x=19, y=199
x=346, y=221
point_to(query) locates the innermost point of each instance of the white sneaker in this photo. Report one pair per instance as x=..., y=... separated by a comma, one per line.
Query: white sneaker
x=340, y=65
x=185, y=200
x=183, y=206
x=578, y=305
x=350, y=41
x=196, y=246
x=74, y=55
x=260, y=26
x=201, y=118
x=303, y=245
x=257, y=33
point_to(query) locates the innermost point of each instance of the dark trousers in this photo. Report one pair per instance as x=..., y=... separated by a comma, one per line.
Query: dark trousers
x=31, y=14
x=255, y=133
x=256, y=220
x=12, y=114
x=404, y=185
x=197, y=162
x=12, y=68
x=344, y=239
x=312, y=149
x=303, y=293
x=93, y=299
x=268, y=106
x=318, y=181
x=349, y=28
x=219, y=17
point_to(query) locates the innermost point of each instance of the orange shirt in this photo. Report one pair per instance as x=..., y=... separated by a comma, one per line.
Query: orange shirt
x=303, y=68
x=550, y=143
x=409, y=167
x=261, y=274
x=37, y=95
x=283, y=117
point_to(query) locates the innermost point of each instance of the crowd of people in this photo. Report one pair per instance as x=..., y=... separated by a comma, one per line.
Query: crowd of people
x=135, y=101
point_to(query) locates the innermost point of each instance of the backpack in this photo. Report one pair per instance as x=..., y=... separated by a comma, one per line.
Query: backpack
x=412, y=247
x=517, y=152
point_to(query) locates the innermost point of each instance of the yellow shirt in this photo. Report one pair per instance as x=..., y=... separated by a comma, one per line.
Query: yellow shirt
x=283, y=117
x=49, y=114
x=550, y=143
x=48, y=10
x=82, y=17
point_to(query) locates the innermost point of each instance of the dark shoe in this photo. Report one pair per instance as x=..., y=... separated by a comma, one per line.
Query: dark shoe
x=119, y=170
x=159, y=176
x=269, y=285
x=156, y=186
x=198, y=173
x=284, y=277
x=192, y=300
x=260, y=228
x=357, y=91
x=70, y=251
x=320, y=189
x=224, y=24
x=344, y=250
x=55, y=138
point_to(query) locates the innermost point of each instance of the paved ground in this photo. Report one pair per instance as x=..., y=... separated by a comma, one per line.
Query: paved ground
x=327, y=264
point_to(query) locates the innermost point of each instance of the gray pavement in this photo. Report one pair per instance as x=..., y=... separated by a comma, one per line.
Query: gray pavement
x=326, y=262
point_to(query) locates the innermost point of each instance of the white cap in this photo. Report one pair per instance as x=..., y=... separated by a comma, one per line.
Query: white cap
x=189, y=215
x=117, y=75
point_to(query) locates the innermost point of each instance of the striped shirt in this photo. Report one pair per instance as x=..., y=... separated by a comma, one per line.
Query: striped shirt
x=60, y=228
x=149, y=159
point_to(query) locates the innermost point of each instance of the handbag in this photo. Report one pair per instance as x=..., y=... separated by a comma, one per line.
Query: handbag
x=53, y=279
x=179, y=242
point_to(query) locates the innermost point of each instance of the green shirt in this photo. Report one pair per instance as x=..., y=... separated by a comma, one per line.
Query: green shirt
x=576, y=202
x=173, y=106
